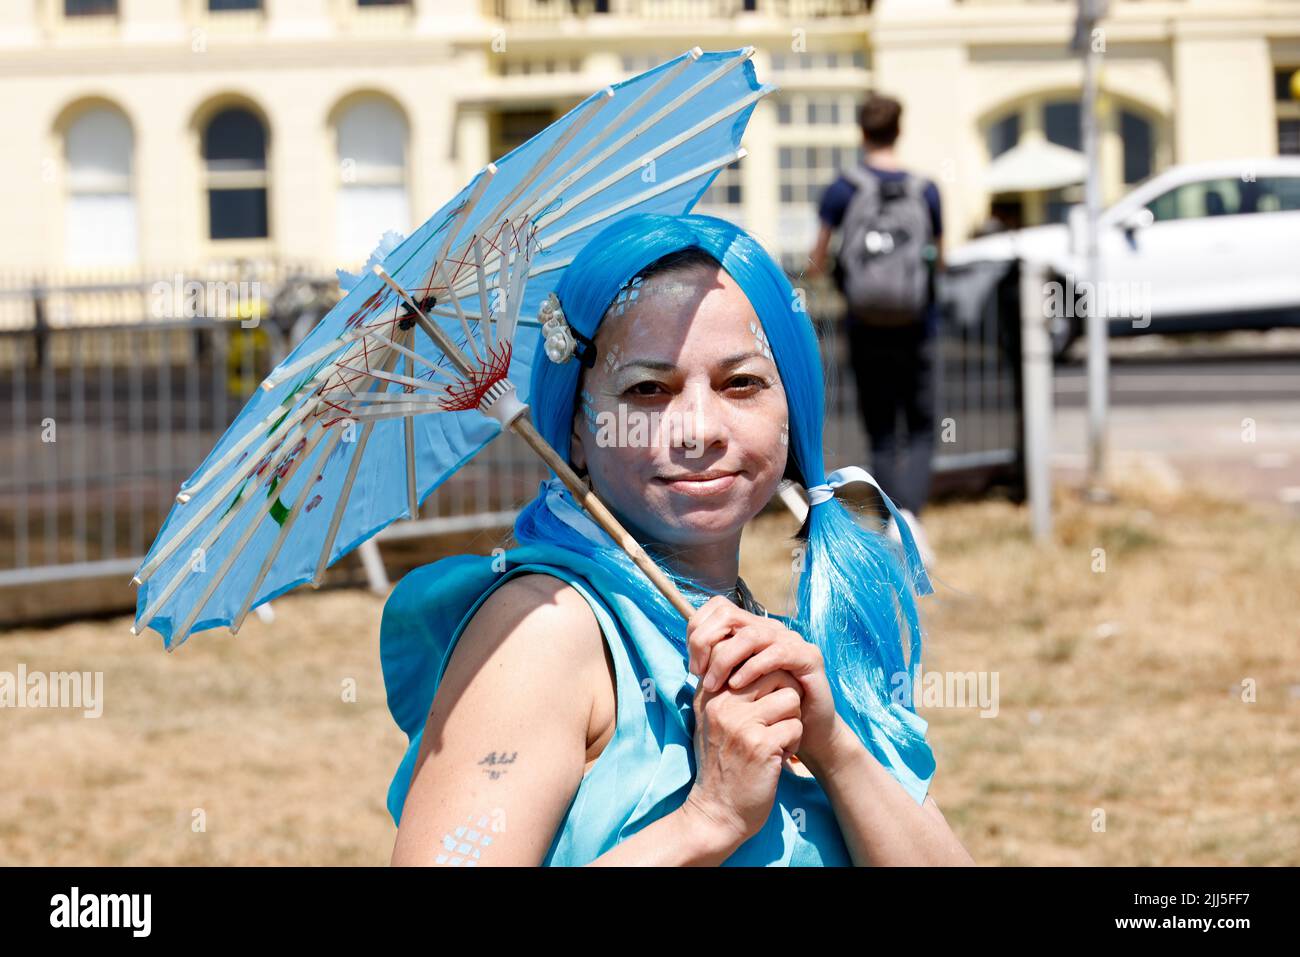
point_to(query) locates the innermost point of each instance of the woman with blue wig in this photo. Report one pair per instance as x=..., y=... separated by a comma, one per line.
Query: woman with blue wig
x=560, y=710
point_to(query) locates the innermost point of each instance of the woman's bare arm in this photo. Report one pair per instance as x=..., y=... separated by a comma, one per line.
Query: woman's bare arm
x=686, y=837
x=881, y=823
x=504, y=747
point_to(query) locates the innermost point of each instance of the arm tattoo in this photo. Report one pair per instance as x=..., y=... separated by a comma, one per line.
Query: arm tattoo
x=495, y=762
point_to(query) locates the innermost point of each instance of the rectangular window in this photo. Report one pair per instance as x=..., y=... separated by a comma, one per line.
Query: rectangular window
x=1061, y=124
x=1282, y=84
x=816, y=109
x=1288, y=137
x=100, y=229
x=724, y=197
x=513, y=128
x=803, y=174
x=364, y=213
x=634, y=63
x=553, y=65
x=234, y=5
x=89, y=8
x=1135, y=133
x=1003, y=135
x=1288, y=111
x=832, y=60
x=237, y=213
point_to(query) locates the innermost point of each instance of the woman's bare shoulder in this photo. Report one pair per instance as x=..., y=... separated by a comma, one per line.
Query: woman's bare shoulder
x=560, y=632
x=541, y=599
x=530, y=649
x=542, y=618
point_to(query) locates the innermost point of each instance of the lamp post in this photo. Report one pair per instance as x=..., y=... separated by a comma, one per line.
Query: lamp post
x=1088, y=14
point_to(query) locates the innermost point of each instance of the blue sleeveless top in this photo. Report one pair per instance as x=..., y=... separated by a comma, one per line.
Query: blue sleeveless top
x=647, y=768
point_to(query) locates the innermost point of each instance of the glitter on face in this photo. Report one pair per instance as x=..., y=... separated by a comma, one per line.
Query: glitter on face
x=663, y=292
x=589, y=409
x=760, y=339
x=611, y=357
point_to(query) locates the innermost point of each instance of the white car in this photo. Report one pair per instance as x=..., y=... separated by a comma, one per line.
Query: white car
x=1203, y=246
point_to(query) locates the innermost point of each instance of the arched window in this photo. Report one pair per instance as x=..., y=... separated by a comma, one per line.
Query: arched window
x=372, y=176
x=1062, y=126
x=100, y=221
x=234, y=155
x=1124, y=132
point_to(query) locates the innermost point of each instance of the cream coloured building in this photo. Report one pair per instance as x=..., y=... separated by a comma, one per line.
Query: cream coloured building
x=159, y=134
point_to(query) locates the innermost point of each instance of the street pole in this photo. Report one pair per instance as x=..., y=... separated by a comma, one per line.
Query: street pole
x=1089, y=13
x=1036, y=376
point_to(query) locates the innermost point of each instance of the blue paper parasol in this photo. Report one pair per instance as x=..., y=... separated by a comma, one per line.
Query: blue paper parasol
x=428, y=357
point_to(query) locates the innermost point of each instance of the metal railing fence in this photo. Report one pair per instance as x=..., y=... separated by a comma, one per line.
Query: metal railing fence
x=102, y=421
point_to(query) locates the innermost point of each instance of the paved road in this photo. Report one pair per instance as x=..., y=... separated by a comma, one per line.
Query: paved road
x=1231, y=418
x=1263, y=378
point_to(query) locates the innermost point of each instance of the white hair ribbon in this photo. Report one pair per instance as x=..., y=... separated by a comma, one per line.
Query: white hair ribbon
x=818, y=494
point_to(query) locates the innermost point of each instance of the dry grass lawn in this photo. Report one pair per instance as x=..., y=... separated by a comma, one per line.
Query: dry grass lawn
x=1120, y=691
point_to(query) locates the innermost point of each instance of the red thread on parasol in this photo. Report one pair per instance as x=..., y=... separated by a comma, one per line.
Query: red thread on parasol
x=468, y=395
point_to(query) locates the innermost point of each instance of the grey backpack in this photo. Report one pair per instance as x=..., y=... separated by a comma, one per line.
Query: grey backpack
x=881, y=265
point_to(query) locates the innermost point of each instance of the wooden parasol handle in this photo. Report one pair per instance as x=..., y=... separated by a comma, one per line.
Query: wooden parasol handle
x=523, y=426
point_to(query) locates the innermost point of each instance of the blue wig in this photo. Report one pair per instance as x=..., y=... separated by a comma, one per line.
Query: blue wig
x=853, y=594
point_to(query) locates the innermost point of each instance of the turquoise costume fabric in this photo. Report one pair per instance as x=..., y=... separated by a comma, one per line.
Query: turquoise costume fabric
x=647, y=768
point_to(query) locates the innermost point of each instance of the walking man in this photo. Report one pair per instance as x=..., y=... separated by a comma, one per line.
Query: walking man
x=891, y=225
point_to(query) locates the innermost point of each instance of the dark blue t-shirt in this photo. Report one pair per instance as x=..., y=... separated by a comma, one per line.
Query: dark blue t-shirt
x=835, y=203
